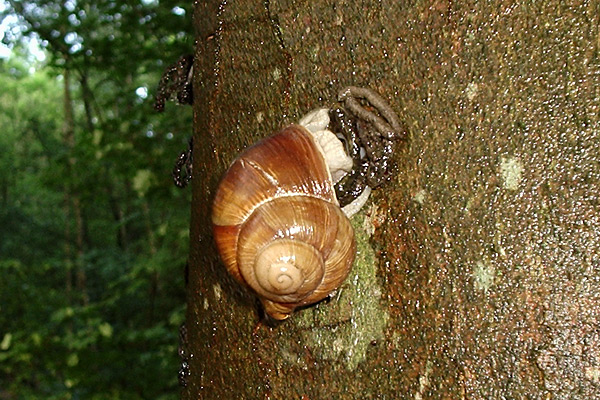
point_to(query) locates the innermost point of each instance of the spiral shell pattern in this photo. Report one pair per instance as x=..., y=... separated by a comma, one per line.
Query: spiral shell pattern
x=284, y=266
x=278, y=226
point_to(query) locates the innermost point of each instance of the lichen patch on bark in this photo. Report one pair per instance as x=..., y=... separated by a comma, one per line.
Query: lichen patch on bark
x=355, y=318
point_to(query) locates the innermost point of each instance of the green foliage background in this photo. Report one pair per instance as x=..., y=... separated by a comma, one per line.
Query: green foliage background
x=93, y=233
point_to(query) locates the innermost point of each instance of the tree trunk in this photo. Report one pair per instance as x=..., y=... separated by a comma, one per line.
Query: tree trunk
x=73, y=208
x=478, y=264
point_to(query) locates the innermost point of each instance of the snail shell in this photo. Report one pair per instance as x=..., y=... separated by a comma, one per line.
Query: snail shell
x=277, y=223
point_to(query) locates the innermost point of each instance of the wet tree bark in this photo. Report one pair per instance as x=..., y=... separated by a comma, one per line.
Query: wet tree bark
x=479, y=265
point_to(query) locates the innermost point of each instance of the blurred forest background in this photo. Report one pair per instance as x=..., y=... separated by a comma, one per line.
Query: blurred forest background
x=93, y=233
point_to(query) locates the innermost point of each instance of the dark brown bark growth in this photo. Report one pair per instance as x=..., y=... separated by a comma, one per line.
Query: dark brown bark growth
x=478, y=273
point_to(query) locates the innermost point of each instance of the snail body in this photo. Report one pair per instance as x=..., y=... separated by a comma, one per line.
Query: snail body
x=277, y=222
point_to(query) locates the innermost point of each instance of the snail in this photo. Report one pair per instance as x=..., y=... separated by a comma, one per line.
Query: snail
x=277, y=222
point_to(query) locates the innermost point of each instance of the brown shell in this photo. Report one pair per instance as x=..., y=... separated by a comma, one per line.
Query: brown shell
x=280, y=189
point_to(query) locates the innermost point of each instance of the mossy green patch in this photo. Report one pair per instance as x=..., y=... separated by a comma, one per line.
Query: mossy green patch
x=354, y=317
